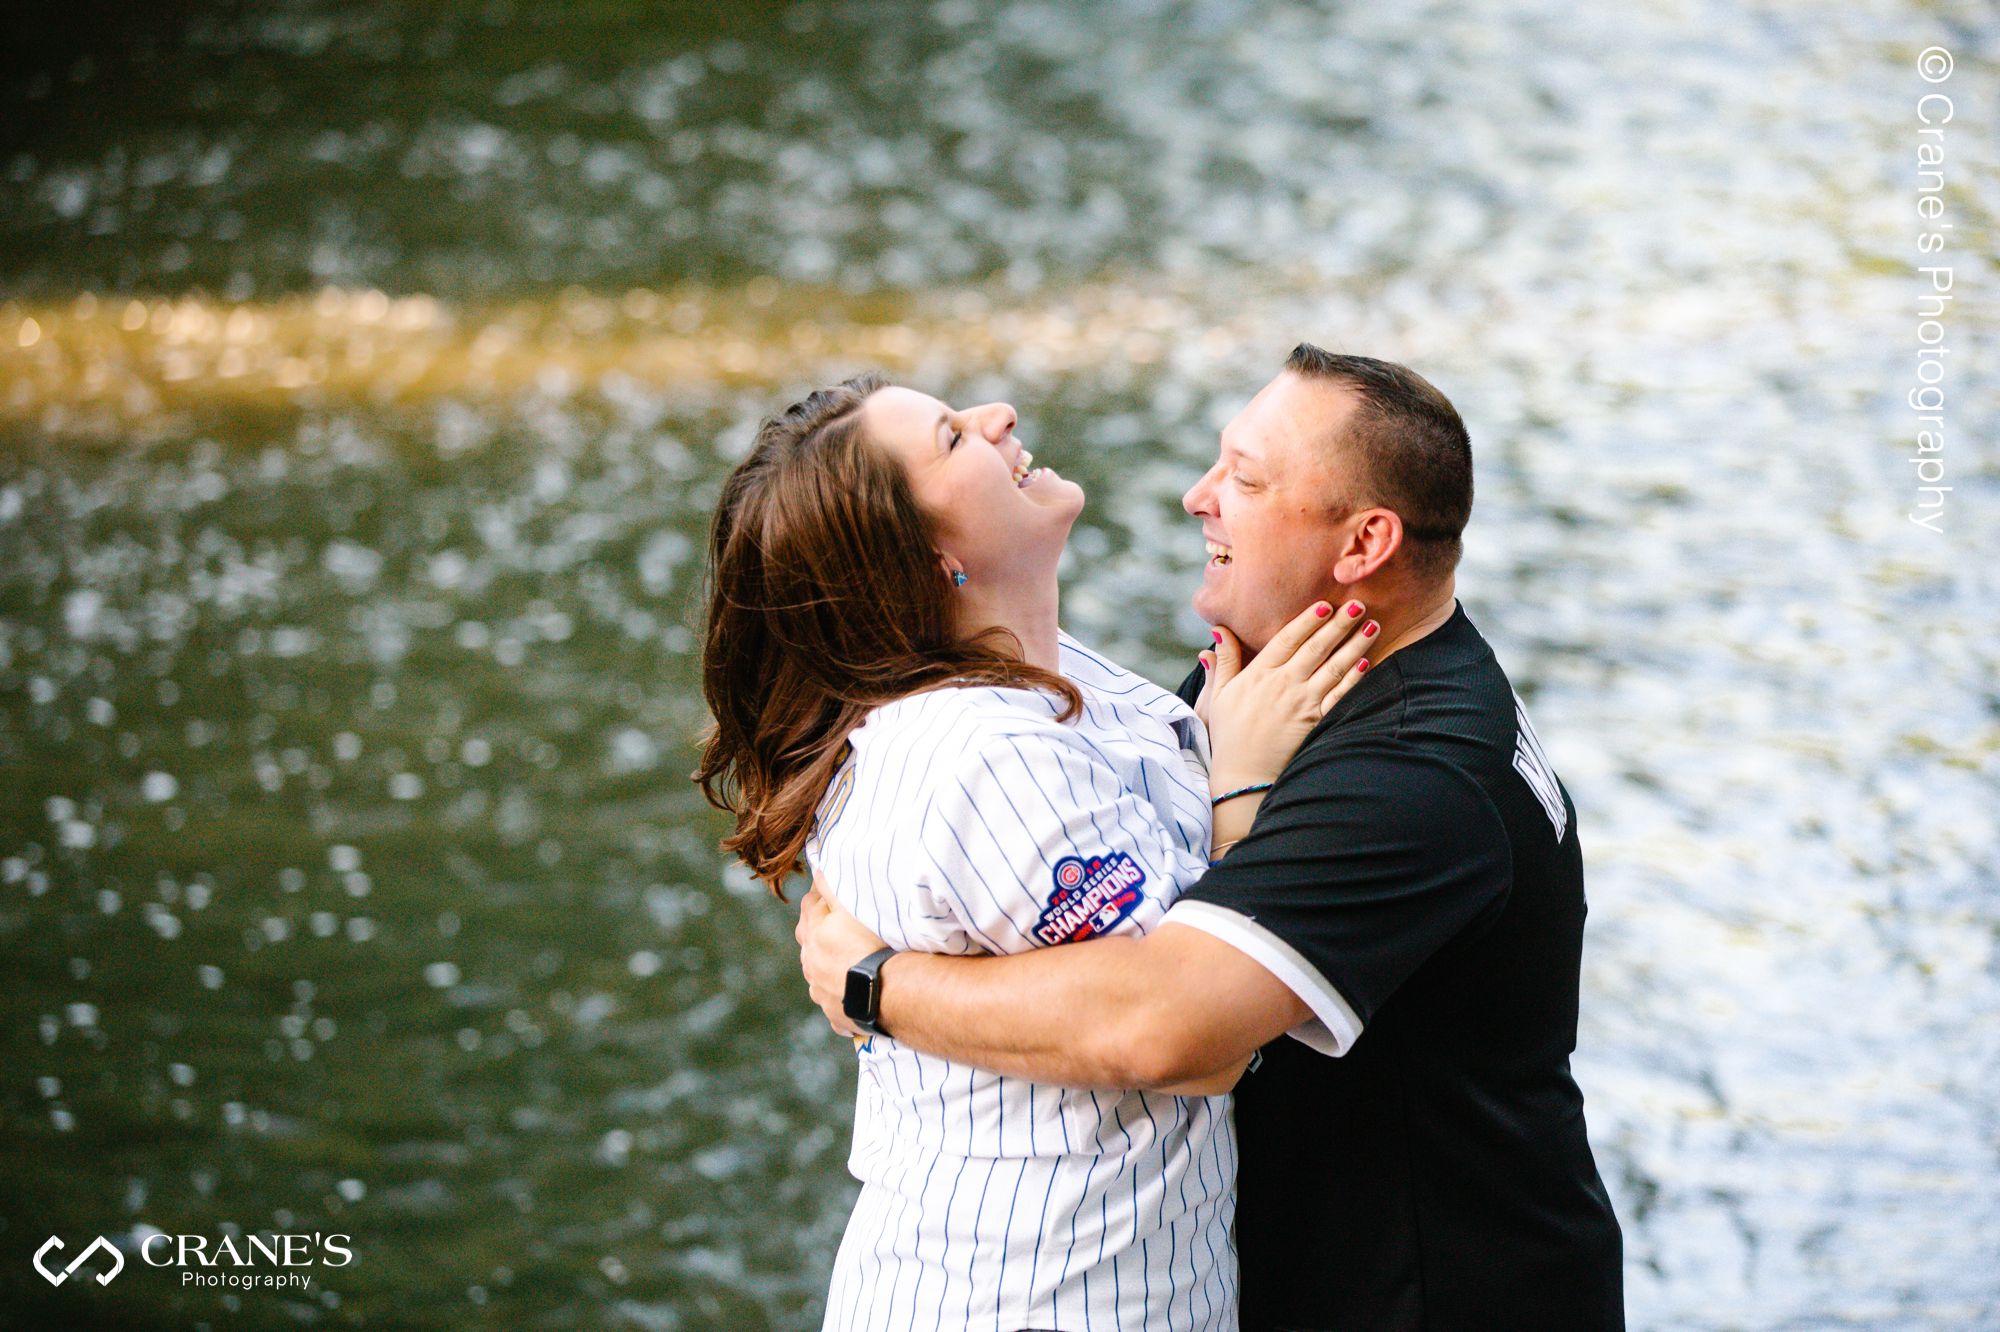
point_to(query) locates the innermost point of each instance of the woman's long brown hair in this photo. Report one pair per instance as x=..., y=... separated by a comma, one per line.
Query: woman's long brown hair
x=827, y=598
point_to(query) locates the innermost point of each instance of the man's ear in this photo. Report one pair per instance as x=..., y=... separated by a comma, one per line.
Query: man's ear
x=1374, y=537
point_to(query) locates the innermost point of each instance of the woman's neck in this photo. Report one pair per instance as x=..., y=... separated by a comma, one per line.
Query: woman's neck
x=1027, y=608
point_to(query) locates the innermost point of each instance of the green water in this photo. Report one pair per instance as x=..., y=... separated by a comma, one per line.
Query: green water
x=349, y=877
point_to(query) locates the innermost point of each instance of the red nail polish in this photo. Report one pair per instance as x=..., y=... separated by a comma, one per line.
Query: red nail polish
x=1322, y=610
x=1368, y=629
x=1216, y=634
x=1361, y=666
x=1353, y=609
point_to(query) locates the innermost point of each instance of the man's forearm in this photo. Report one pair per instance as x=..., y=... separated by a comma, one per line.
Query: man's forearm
x=1082, y=1015
x=1177, y=1009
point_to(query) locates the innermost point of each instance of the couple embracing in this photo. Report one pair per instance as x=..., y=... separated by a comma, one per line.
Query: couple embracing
x=1247, y=1005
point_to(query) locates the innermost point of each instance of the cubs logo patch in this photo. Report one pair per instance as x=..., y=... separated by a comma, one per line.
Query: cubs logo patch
x=1090, y=898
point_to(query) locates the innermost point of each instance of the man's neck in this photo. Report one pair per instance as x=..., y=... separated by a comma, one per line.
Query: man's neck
x=1405, y=625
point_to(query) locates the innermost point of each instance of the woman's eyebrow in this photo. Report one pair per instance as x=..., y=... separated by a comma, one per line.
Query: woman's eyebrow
x=944, y=419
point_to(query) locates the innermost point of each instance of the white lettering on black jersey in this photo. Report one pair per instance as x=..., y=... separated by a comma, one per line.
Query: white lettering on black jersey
x=1533, y=764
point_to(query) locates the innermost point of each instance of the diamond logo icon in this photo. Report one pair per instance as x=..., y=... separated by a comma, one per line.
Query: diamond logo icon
x=56, y=1278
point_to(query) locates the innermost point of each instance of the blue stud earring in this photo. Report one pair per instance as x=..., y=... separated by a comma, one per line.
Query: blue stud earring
x=958, y=578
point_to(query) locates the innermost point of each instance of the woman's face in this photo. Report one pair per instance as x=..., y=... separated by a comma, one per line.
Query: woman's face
x=997, y=517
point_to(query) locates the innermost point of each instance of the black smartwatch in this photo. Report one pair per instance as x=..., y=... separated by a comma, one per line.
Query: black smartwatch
x=862, y=1000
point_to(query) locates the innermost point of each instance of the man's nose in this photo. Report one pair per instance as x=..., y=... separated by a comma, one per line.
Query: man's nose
x=1196, y=501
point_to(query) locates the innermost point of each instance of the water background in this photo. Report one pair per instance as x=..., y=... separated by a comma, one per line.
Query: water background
x=367, y=374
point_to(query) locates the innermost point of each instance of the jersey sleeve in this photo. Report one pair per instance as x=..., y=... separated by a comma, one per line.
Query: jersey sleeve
x=1354, y=875
x=1033, y=840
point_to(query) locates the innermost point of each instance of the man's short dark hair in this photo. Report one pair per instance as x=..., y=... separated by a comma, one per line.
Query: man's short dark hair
x=1415, y=456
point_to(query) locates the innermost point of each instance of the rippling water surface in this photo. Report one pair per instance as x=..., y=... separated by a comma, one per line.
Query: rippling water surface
x=367, y=373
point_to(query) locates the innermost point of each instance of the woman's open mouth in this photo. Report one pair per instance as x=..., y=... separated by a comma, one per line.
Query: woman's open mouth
x=1025, y=470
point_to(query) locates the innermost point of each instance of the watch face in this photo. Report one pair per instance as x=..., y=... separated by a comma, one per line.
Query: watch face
x=858, y=1002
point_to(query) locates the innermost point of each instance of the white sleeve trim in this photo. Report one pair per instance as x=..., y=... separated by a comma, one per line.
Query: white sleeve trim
x=1334, y=1026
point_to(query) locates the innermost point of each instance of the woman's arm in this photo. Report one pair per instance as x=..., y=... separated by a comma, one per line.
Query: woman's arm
x=1258, y=715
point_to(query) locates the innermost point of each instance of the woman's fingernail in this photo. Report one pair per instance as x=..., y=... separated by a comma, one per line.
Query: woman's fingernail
x=1368, y=629
x=1322, y=610
x=1361, y=666
x=1353, y=609
x=1216, y=634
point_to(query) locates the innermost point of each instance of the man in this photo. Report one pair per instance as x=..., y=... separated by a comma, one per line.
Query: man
x=1408, y=906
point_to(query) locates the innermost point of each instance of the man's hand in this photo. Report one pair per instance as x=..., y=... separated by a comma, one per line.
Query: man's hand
x=830, y=941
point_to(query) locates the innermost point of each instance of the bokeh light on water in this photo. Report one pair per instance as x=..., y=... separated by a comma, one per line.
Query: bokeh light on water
x=367, y=373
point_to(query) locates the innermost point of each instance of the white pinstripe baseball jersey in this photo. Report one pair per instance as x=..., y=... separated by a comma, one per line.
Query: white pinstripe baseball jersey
x=970, y=820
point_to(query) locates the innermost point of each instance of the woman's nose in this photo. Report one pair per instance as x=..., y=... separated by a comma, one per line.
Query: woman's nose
x=996, y=421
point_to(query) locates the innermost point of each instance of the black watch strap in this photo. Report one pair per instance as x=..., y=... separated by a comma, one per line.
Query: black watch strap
x=862, y=1000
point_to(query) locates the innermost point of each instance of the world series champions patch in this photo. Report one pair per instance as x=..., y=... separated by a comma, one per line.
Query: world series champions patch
x=1090, y=898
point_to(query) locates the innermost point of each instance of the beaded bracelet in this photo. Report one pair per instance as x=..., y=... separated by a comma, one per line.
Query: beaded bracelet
x=1251, y=789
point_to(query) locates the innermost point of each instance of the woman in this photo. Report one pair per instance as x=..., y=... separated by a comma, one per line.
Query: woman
x=895, y=705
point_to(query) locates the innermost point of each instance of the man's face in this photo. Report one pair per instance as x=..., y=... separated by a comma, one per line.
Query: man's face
x=1266, y=509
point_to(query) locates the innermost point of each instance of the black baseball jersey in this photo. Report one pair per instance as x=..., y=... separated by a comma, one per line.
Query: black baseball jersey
x=1414, y=1156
